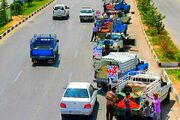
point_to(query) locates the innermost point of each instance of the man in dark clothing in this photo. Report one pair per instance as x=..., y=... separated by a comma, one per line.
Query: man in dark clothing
x=127, y=114
x=104, y=6
x=107, y=49
x=110, y=102
x=95, y=30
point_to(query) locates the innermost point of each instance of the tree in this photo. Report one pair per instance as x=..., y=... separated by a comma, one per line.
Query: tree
x=4, y=4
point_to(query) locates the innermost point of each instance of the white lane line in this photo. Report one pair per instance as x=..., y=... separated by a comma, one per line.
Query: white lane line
x=19, y=74
x=69, y=78
x=76, y=53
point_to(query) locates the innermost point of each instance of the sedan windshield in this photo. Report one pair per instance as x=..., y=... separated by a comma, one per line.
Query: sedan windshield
x=76, y=93
x=86, y=11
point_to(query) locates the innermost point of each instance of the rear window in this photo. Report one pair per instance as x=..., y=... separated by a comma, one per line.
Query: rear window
x=86, y=11
x=76, y=93
x=59, y=8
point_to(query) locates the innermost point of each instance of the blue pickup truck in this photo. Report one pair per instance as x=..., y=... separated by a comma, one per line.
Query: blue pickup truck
x=44, y=47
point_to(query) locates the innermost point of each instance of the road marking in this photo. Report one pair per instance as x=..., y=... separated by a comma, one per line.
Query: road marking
x=19, y=74
x=76, y=53
x=69, y=78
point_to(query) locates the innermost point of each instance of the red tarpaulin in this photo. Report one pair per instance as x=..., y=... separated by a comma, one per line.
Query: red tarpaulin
x=133, y=105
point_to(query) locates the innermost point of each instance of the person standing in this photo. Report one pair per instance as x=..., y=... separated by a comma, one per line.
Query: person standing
x=95, y=30
x=104, y=7
x=157, y=106
x=127, y=111
x=110, y=102
x=107, y=49
x=147, y=111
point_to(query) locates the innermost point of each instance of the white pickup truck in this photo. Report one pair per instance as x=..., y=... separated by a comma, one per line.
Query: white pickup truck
x=138, y=86
x=142, y=84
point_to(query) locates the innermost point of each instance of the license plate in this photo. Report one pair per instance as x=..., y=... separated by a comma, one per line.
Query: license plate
x=74, y=112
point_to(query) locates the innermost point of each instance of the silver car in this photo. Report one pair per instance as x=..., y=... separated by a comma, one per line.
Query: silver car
x=60, y=11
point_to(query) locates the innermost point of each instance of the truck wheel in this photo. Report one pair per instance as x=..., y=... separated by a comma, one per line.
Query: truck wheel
x=53, y=18
x=63, y=116
x=66, y=17
x=167, y=99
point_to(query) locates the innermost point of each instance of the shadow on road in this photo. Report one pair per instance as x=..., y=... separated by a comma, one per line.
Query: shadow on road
x=78, y=117
x=166, y=108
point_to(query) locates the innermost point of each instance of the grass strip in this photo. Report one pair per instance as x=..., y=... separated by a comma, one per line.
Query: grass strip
x=174, y=74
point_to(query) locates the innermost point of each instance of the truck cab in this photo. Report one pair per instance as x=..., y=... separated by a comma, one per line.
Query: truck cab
x=44, y=47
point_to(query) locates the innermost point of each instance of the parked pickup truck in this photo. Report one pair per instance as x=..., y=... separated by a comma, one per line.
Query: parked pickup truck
x=44, y=47
x=122, y=62
x=138, y=86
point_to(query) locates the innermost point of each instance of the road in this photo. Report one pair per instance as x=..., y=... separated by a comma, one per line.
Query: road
x=171, y=9
x=33, y=93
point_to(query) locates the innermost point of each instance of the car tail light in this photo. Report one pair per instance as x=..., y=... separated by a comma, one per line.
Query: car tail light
x=62, y=105
x=87, y=106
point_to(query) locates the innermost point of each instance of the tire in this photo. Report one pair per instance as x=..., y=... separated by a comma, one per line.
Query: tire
x=53, y=18
x=63, y=116
x=167, y=99
x=81, y=20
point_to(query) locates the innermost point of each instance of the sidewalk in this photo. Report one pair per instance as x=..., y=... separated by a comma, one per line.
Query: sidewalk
x=169, y=111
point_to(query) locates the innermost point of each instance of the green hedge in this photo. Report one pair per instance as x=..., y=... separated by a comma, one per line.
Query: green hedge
x=162, y=43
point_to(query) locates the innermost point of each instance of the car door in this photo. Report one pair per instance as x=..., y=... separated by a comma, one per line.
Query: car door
x=93, y=94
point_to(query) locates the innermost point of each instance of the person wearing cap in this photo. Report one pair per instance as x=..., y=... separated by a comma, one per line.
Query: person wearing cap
x=157, y=106
x=110, y=102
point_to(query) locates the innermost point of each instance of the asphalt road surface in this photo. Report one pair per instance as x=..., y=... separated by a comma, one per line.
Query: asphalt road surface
x=171, y=9
x=33, y=93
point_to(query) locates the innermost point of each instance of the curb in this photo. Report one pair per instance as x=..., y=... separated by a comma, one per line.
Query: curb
x=173, y=90
x=24, y=19
x=161, y=64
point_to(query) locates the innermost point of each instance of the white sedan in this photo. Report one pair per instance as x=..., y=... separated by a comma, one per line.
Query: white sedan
x=79, y=98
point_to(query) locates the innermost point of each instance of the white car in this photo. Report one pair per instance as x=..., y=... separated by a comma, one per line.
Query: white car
x=79, y=98
x=87, y=14
x=60, y=11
